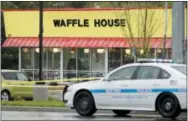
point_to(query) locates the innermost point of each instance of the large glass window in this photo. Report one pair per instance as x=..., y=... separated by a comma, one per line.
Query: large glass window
x=127, y=56
x=27, y=61
x=114, y=58
x=69, y=62
x=97, y=62
x=118, y=57
x=27, y=58
x=51, y=62
x=83, y=62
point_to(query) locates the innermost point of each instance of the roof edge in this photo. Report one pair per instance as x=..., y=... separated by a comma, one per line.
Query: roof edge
x=80, y=9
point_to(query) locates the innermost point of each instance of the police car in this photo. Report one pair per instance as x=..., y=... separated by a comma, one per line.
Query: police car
x=139, y=86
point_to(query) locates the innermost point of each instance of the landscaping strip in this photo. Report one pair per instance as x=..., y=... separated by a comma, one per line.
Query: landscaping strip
x=33, y=103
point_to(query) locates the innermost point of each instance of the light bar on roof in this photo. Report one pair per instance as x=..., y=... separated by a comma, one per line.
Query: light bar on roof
x=154, y=60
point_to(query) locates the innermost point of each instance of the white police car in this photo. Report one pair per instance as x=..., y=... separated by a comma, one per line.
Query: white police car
x=140, y=86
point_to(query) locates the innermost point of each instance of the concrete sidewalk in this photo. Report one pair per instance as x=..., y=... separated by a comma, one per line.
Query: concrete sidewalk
x=63, y=109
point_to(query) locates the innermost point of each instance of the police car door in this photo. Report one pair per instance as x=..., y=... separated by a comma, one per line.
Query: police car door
x=117, y=87
x=144, y=82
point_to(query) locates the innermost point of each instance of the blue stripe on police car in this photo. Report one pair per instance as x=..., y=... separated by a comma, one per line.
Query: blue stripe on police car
x=137, y=90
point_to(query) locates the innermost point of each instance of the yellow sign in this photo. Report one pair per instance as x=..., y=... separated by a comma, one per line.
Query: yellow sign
x=90, y=23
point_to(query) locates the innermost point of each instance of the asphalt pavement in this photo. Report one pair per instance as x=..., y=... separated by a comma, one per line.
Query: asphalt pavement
x=68, y=114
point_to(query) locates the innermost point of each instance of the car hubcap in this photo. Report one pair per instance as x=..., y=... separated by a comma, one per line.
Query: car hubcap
x=168, y=105
x=4, y=96
x=84, y=104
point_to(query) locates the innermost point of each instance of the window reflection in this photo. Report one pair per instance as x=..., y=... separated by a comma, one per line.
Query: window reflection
x=114, y=58
x=69, y=62
x=83, y=62
x=27, y=58
x=118, y=57
x=97, y=62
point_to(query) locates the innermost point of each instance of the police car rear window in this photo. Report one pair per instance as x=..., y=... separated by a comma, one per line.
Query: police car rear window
x=182, y=69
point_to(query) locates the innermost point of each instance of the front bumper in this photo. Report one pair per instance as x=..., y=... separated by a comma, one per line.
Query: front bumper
x=68, y=99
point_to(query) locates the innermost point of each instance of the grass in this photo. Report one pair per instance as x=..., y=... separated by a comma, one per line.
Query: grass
x=33, y=103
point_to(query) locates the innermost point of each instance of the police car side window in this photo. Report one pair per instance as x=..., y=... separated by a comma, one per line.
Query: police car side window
x=164, y=74
x=123, y=74
x=148, y=72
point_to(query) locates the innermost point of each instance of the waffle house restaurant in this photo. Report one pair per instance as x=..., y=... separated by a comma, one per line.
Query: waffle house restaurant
x=78, y=42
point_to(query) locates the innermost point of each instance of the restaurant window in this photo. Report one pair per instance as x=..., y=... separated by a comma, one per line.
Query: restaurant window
x=114, y=58
x=127, y=56
x=28, y=61
x=50, y=64
x=51, y=59
x=27, y=58
x=83, y=62
x=152, y=53
x=44, y=61
x=169, y=53
x=159, y=53
x=97, y=62
x=69, y=63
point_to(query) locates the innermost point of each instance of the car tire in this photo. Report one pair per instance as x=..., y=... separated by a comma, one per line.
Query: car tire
x=168, y=106
x=84, y=104
x=5, y=96
x=121, y=112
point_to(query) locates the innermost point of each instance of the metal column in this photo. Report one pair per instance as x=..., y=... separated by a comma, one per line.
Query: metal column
x=20, y=59
x=178, y=32
x=106, y=61
x=165, y=30
x=41, y=41
x=61, y=64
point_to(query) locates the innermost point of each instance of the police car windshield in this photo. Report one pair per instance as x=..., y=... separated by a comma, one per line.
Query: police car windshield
x=182, y=69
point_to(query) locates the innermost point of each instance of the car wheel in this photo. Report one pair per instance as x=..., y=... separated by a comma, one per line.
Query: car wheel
x=121, y=112
x=84, y=104
x=5, y=96
x=168, y=106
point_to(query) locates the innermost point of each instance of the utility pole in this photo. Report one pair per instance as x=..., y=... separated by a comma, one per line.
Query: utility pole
x=40, y=39
x=165, y=30
x=178, y=32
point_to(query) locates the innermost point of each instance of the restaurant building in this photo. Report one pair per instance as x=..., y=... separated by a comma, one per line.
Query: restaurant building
x=80, y=42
